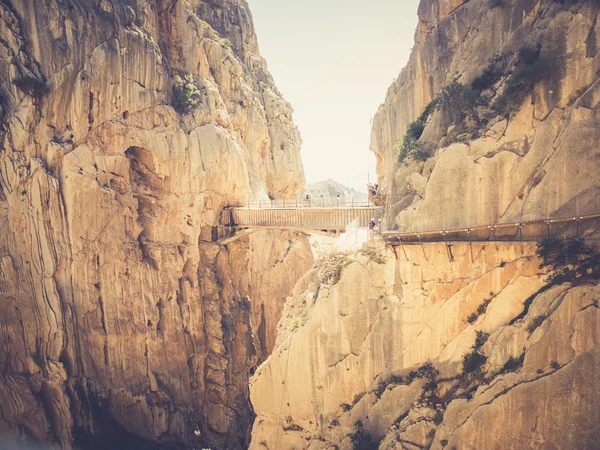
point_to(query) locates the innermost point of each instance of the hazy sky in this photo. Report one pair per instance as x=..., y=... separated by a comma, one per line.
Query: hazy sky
x=333, y=60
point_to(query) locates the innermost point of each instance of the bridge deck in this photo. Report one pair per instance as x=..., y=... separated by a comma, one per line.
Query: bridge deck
x=331, y=219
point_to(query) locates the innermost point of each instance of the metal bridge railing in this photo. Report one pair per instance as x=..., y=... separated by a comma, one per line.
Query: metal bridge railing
x=325, y=202
x=560, y=228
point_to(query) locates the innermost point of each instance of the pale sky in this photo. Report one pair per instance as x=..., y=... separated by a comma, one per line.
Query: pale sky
x=334, y=60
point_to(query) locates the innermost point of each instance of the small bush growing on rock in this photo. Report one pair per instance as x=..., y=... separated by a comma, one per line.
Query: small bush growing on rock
x=444, y=442
x=474, y=360
x=427, y=370
x=439, y=417
x=32, y=86
x=226, y=43
x=536, y=322
x=495, y=70
x=295, y=322
x=380, y=389
x=410, y=148
x=388, y=383
x=429, y=109
x=330, y=266
x=460, y=103
x=481, y=309
x=186, y=94
x=481, y=338
x=555, y=365
x=360, y=438
x=345, y=407
x=357, y=398
x=416, y=129
x=373, y=255
x=529, y=68
x=567, y=259
x=513, y=364
x=495, y=3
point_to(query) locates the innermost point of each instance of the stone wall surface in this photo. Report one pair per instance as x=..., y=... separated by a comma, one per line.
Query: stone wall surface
x=122, y=325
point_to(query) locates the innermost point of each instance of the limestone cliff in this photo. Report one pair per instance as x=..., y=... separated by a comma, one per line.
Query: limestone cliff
x=121, y=324
x=433, y=347
x=535, y=160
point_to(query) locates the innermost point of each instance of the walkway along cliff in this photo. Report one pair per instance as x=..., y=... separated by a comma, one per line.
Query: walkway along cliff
x=452, y=345
x=126, y=128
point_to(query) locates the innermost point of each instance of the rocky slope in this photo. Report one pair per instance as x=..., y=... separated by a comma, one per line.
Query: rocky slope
x=385, y=345
x=122, y=324
x=535, y=160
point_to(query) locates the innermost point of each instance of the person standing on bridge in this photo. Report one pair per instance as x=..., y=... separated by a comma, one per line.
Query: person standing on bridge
x=372, y=228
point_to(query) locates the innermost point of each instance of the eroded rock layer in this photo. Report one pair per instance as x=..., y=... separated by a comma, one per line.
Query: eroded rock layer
x=121, y=323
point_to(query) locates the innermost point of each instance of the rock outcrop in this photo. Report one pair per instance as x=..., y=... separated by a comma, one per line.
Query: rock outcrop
x=538, y=160
x=122, y=324
x=381, y=353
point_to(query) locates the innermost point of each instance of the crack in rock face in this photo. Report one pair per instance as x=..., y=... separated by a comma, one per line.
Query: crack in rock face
x=121, y=324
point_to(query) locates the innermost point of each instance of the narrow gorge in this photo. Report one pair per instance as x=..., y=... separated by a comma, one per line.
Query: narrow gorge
x=129, y=131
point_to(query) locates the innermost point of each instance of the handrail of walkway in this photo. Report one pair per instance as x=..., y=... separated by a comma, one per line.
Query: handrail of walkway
x=535, y=230
x=316, y=203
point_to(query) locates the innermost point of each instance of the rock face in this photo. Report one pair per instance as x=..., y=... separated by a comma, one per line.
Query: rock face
x=346, y=352
x=121, y=324
x=539, y=161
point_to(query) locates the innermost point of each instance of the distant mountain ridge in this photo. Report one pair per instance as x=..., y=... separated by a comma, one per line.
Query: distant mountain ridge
x=330, y=189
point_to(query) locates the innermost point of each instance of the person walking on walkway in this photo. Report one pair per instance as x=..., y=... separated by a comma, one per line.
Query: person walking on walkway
x=372, y=228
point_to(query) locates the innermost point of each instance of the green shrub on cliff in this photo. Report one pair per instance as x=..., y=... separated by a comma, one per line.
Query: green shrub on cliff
x=529, y=68
x=460, y=103
x=32, y=86
x=186, y=94
x=410, y=146
x=473, y=361
x=568, y=259
x=360, y=438
x=493, y=73
x=428, y=111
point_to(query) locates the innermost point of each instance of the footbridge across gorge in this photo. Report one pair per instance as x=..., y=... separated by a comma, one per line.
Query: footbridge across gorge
x=330, y=220
x=336, y=218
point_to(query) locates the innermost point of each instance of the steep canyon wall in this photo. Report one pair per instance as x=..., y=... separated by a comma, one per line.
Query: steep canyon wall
x=539, y=160
x=121, y=323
